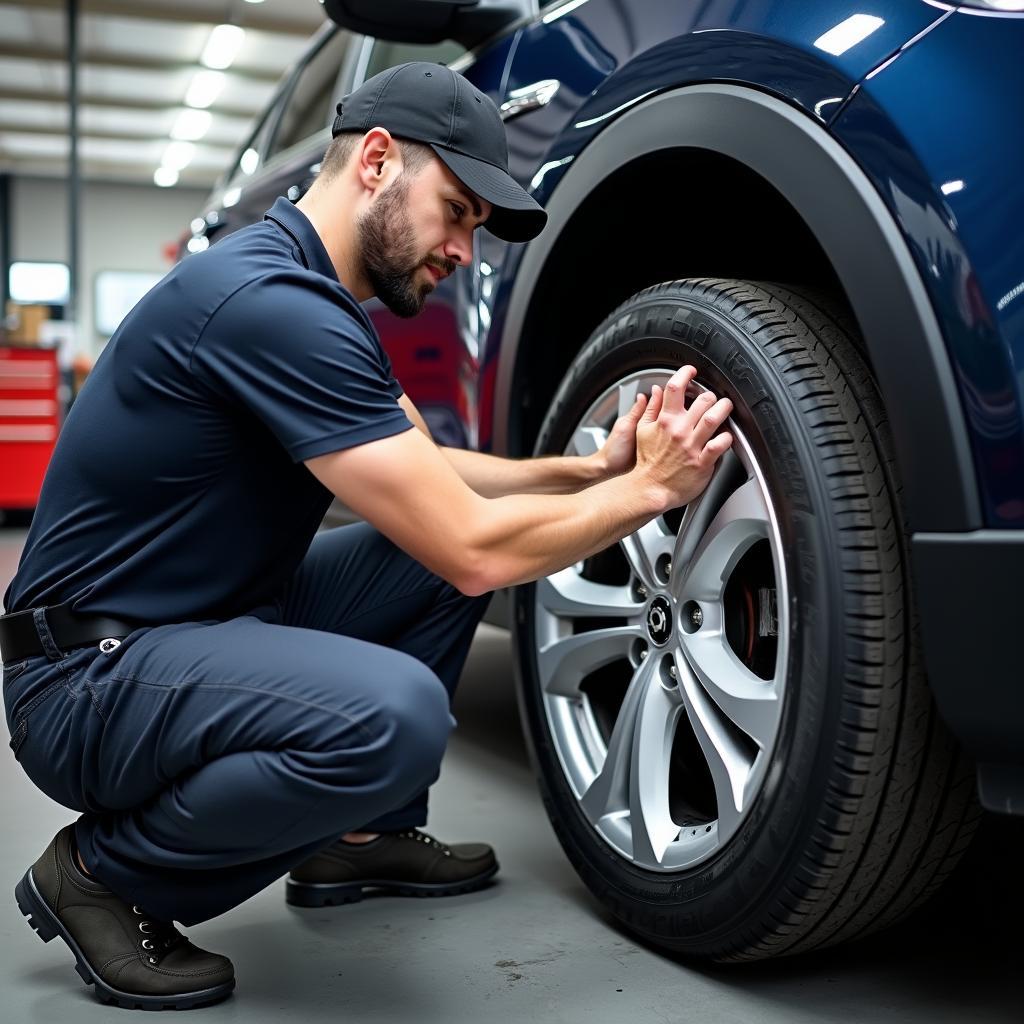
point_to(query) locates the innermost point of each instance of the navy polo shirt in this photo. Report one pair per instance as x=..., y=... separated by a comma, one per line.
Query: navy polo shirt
x=176, y=490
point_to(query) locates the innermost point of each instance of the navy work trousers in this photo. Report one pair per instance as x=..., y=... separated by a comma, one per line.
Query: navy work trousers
x=210, y=757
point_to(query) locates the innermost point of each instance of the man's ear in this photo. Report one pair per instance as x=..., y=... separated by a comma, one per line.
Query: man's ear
x=376, y=154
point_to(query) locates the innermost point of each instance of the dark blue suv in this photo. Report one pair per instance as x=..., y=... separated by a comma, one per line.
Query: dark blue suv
x=761, y=724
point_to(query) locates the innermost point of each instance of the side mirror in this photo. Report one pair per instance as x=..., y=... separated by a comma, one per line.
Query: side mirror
x=468, y=22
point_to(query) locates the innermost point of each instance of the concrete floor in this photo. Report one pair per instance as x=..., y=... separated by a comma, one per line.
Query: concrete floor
x=534, y=947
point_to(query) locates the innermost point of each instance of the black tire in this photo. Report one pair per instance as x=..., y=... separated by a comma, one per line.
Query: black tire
x=868, y=803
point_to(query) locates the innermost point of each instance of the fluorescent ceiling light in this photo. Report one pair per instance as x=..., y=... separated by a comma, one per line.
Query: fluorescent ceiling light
x=191, y=124
x=222, y=46
x=848, y=33
x=254, y=1
x=38, y=282
x=178, y=154
x=951, y=186
x=205, y=88
x=250, y=161
x=165, y=177
x=232, y=196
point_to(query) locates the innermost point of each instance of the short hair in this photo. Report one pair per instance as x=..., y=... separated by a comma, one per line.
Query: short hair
x=415, y=155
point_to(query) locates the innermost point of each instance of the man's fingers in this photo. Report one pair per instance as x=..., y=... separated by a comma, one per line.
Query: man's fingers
x=709, y=418
x=638, y=408
x=654, y=405
x=716, y=447
x=675, y=389
x=698, y=407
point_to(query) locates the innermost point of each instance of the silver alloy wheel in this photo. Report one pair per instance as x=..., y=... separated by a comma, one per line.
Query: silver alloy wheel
x=673, y=639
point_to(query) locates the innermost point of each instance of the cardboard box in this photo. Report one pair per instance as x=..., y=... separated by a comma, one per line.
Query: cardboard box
x=23, y=323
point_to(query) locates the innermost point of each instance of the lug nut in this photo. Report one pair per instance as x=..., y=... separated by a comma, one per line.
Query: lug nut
x=669, y=677
x=641, y=591
x=643, y=653
x=697, y=617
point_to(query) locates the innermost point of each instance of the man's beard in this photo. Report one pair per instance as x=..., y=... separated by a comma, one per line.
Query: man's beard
x=388, y=251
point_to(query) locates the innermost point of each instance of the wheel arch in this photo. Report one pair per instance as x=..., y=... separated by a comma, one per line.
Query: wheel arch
x=842, y=238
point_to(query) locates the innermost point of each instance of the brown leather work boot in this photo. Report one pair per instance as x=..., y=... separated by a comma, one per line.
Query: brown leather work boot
x=409, y=863
x=134, y=960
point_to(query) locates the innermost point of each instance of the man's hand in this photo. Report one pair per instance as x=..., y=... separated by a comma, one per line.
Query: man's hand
x=677, y=448
x=618, y=453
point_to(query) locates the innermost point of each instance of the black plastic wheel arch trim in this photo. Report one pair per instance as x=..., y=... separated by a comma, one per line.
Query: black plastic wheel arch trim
x=969, y=598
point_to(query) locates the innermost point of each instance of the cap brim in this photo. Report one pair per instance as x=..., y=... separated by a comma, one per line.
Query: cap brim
x=515, y=215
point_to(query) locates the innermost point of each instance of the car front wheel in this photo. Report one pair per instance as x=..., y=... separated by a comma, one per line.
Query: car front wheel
x=727, y=710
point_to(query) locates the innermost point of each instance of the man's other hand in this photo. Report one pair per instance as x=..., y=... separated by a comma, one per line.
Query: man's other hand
x=618, y=453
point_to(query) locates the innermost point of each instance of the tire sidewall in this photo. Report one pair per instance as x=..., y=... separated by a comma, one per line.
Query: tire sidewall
x=692, y=906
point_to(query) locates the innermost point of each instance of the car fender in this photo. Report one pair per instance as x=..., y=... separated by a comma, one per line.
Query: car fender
x=843, y=210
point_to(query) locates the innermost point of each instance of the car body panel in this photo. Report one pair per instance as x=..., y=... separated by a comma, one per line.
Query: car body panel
x=858, y=236
x=607, y=60
x=932, y=119
x=608, y=53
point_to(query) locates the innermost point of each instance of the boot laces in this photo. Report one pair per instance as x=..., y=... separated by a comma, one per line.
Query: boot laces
x=423, y=837
x=158, y=937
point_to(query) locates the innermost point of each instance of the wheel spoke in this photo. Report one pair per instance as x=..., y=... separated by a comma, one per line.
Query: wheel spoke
x=588, y=440
x=569, y=594
x=627, y=396
x=748, y=701
x=609, y=792
x=564, y=664
x=727, y=477
x=727, y=762
x=739, y=524
x=645, y=547
x=650, y=818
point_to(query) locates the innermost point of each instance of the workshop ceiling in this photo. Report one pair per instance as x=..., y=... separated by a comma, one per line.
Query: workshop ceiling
x=138, y=60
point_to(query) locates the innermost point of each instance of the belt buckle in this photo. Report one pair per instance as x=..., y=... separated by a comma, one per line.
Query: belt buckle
x=109, y=644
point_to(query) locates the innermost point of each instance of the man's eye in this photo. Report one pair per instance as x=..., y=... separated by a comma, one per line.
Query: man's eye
x=457, y=210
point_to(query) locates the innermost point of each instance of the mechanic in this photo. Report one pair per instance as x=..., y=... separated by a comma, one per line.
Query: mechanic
x=223, y=692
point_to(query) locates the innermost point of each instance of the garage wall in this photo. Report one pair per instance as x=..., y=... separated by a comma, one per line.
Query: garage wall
x=122, y=227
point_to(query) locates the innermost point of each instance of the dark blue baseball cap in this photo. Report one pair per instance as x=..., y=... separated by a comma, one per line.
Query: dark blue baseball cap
x=432, y=104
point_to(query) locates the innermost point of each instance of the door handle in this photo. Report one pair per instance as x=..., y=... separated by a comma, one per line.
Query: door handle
x=529, y=97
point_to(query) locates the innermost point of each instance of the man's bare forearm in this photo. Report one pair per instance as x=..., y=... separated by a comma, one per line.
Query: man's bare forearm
x=494, y=477
x=522, y=537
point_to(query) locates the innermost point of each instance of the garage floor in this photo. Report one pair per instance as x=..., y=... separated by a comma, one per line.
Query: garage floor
x=534, y=947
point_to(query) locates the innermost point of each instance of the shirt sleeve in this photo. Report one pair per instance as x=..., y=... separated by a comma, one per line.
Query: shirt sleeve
x=286, y=349
x=394, y=387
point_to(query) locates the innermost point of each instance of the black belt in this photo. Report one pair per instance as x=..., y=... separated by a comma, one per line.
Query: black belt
x=19, y=638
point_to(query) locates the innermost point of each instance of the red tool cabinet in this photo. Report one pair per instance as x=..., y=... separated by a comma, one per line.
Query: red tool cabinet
x=30, y=416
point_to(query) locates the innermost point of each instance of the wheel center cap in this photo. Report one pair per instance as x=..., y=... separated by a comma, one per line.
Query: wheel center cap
x=659, y=621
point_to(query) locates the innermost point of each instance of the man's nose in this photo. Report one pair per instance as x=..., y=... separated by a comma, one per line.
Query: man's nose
x=459, y=249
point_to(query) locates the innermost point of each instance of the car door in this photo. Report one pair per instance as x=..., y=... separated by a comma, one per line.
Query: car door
x=282, y=153
x=297, y=136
